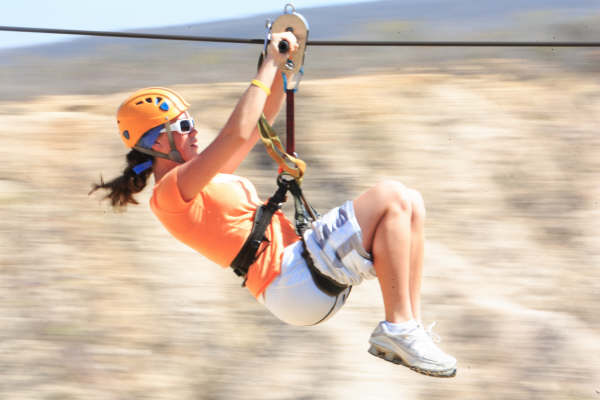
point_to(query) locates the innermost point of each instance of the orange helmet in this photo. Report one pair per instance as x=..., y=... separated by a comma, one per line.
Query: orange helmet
x=146, y=109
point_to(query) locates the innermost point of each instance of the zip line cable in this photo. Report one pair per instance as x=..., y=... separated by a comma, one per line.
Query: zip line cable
x=310, y=42
x=131, y=35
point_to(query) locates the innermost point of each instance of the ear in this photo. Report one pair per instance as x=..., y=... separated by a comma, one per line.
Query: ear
x=161, y=144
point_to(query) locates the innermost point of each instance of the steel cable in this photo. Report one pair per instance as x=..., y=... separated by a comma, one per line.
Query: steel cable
x=353, y=43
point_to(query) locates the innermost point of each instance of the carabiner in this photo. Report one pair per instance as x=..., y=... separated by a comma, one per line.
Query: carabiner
x=268, y=25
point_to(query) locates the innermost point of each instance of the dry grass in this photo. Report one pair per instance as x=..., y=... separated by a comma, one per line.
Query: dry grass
x=103, y=305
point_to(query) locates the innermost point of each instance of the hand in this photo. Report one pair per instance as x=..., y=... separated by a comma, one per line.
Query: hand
x=273, y=53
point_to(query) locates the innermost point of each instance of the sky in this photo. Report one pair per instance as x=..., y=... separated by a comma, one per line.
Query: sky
x=128, y=14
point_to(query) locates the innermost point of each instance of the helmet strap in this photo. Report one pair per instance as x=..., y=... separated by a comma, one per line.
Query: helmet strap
x=152, y=153
x=173, y=155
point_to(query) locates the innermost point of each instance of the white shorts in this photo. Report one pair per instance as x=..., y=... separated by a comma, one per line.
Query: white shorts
x=293, y=296
x=335, y=244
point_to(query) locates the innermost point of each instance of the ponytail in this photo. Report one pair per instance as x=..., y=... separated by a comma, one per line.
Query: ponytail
x=122, y=188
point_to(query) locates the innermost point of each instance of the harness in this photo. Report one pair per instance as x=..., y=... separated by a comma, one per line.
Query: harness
x=291, y=168
x=303, y=214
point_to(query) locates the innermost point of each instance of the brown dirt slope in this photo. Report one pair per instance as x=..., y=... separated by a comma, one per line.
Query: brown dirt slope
x=102, y=305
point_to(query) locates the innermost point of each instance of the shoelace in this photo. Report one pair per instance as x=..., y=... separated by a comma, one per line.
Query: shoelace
x=435, y=338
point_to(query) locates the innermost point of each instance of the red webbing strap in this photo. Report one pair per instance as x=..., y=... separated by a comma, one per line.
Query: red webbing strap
x=290, y=140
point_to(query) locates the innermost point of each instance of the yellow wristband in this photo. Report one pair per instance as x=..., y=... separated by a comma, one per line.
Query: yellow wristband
x=261, y=85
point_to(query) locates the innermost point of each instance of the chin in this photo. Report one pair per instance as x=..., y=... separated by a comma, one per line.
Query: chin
x=190, y=154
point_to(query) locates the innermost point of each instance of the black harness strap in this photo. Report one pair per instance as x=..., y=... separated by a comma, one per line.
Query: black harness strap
x=262, y=218
x=323, y=282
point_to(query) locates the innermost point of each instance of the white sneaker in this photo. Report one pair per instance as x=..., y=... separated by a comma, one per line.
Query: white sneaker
x=414, y=349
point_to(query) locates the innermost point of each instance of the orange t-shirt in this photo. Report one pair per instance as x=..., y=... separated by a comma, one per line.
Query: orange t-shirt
x=218, y=220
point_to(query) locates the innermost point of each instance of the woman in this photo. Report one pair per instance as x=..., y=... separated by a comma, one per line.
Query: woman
x=199, y=201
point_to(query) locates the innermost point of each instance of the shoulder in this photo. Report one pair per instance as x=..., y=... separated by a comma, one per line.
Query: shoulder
x=166, y=193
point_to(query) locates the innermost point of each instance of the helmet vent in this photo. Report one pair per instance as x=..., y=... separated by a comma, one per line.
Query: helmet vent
x=139, y=102
x=148, y=100
x=158, y=100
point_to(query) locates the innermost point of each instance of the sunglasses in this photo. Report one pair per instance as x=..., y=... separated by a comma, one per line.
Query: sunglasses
x=181, y=125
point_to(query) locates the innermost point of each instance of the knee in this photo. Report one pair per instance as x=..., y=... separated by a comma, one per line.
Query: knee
x=396, y=196
x=418, y=205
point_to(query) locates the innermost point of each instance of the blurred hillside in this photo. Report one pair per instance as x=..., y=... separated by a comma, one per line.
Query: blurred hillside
x=104, y=65
x=102, y=305
x=503, y=144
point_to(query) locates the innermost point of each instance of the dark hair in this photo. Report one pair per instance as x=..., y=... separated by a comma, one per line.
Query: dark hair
x=123, y=188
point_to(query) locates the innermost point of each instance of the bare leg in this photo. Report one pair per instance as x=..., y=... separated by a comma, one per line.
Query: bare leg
x=385, y=214
x=417, y=251
x=392, y=218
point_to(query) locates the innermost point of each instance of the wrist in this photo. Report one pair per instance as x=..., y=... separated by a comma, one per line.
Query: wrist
x=260, y=84
x=267, y=72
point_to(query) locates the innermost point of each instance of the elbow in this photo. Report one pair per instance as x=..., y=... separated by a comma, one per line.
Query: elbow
x=235, y=135
x=240, y=131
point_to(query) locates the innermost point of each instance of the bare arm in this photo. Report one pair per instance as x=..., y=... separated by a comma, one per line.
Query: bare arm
x=239, y=133
x=272, y=108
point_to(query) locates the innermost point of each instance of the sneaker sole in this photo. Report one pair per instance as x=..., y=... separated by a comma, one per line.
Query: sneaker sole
x=394, y=358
